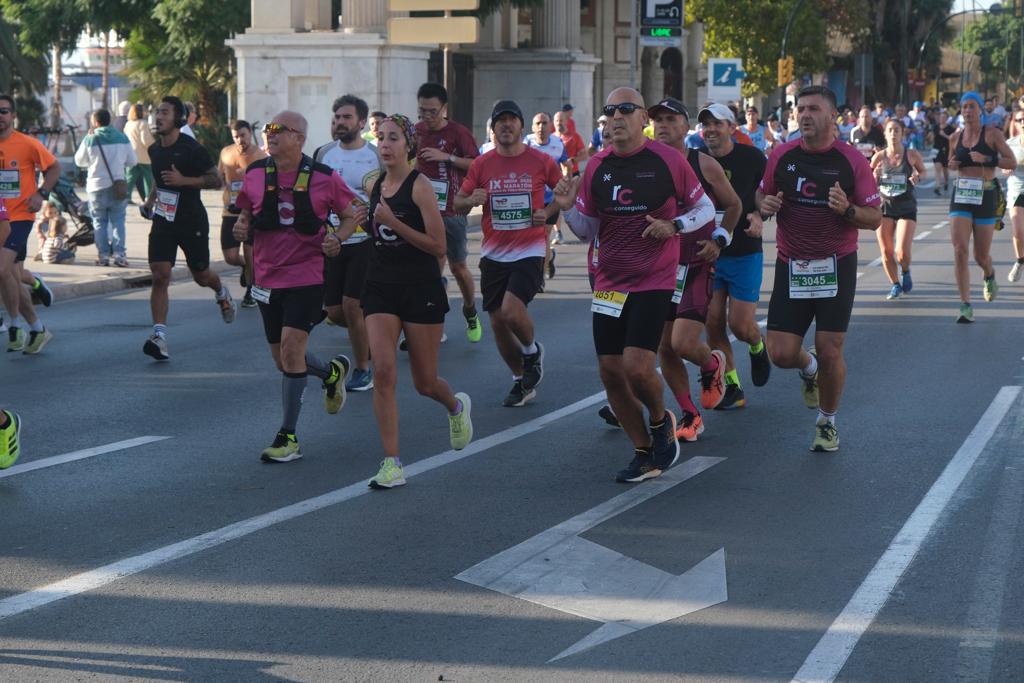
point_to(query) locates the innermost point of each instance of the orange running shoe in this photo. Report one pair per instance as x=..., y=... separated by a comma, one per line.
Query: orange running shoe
x=712, y=385
x=690, y=427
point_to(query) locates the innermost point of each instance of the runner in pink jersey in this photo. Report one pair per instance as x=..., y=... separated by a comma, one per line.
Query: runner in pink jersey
x=635, y=197
x=509, y=181
x=823, y=192
x=285, y=200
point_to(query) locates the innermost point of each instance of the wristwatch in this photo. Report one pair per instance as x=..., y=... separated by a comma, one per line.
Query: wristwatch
x=720, y=241
x=43, y=192
x=850, y=212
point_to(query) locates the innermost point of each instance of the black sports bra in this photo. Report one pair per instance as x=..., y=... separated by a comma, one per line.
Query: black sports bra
x=963, y=154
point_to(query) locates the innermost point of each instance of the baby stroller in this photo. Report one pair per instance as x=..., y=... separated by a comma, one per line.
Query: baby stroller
x=81, y=232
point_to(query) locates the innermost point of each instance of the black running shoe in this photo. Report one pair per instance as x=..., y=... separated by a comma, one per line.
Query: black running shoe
x=760, y=366
x=41, y=294
x=733, y=398
x=518, y=396
x=665, y=449
x=606, y=414
x=533, y=368
x=551, y=266
x=640, y=468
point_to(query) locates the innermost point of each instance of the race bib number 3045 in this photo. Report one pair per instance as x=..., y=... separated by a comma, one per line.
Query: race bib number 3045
x=813, y=279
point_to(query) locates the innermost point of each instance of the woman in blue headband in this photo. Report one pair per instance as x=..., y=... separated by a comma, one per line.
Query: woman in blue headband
x=977, y=204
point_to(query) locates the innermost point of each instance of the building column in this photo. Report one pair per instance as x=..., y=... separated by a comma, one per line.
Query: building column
x=364, y=16
x=556, y=25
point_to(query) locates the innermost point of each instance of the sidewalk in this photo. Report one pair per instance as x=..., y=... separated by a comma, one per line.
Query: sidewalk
x=83, y=278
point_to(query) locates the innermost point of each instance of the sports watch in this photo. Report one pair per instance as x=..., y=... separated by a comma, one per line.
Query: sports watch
x=850, y=212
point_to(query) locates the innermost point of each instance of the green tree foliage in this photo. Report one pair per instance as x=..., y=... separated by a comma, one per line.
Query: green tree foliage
x=20, y=71
x=181, y=51
x=899, y=27
x=995, y=40
x=752, y=30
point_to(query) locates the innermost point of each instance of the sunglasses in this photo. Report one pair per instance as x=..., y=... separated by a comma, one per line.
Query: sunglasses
x=6, y=110
x=278, y=128
x=626, y=108
x=1017, y=120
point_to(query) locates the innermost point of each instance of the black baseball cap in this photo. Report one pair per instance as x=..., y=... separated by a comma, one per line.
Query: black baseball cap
x=669, y=104
x=506, y=107
x=567, y=107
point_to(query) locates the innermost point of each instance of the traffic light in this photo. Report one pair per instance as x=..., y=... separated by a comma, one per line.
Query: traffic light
x=786, y=70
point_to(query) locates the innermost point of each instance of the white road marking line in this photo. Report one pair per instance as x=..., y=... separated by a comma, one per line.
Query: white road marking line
x=79, y=455
x=977, y=648
x=558, y=569
x=829, y=656
x=96, y=578
x=922, y=235
x=940, y=225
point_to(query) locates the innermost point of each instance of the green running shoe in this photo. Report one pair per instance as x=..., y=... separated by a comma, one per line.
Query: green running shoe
x=389, y=476
x=10, y=440
x=37, y=340
x=16, y=339
x=826, y=437
x=474, y=330
x=334, y=386
x=991, y=288
x=460, y=426
x=810, y=386
x=966, y=313
x=284, y=449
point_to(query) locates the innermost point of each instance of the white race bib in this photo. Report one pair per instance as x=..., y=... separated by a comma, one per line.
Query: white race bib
x=10, y=184
x=260, y=294
x=236, y=187
x=608, y=303
x=166, y=204
x=969, y=191
x=677, y=295
x=866, y=148
x=441, y=192
x=511, y=211
x=813, y=279
x=893, y=184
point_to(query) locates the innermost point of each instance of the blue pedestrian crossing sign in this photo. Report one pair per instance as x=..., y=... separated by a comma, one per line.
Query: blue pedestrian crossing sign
x=725, y=77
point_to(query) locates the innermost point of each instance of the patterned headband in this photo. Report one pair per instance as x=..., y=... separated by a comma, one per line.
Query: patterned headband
x=407, y=129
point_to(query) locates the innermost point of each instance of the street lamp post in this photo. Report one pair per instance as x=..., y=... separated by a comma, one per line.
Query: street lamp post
x=785, y=43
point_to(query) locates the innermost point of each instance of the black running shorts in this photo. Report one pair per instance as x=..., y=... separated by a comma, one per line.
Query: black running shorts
x=300, y=308
x=829, y=315
x=164, y=242
x=345, y=274
x=423, y=303
x=227, y=236
x=640, y=325
x=697, y=290
x=524, y=278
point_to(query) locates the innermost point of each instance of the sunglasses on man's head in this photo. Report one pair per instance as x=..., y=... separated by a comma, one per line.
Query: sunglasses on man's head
x=626, y=108
x=278, y=128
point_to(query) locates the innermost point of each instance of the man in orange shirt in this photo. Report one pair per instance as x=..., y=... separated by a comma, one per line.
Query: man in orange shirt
x=234, y=159
x=21, y=157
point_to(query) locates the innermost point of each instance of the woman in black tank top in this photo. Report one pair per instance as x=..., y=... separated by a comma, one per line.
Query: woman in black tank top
x=897, y=170
x=977, y=204
x=404, y=292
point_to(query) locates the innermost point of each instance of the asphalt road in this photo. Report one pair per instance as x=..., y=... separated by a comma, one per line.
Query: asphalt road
x=184, y=558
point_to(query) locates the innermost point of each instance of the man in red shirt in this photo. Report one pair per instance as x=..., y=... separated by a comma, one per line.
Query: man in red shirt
x=509, y=181
x=446, y=149
x=575, y=147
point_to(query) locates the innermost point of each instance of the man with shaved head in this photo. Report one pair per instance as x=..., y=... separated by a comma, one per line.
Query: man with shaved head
x=285, y=200
x=181, y=169
x=634, y=199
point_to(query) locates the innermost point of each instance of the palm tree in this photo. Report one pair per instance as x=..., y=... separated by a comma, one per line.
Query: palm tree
x=17, y=68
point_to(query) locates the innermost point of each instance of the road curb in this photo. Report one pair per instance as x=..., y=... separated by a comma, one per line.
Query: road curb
x=133, y=280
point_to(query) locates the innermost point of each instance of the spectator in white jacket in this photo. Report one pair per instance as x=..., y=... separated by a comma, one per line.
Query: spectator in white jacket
x=107, y=154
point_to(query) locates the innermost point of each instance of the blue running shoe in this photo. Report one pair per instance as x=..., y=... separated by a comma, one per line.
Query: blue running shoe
x=908, y=282
x=360, y=380
x=895, y=292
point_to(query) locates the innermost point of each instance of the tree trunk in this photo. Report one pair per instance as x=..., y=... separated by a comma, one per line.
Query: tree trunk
x=105, y=86
x=57, y=113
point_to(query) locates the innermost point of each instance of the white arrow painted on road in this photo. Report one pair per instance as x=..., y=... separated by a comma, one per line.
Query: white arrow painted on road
x=558, y=569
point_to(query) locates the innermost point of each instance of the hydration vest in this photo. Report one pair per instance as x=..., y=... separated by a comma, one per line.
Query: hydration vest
x=306, y=220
